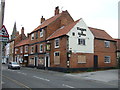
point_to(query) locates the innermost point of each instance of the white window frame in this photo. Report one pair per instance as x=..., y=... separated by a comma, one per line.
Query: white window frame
x=55, y=43
x=59, y=58
x=26, y=50
x=41, y=32
x=41, y=49
x=81, y=42
x=107, y=44
x=109, y=61
x=32, y=47
x=32, y=36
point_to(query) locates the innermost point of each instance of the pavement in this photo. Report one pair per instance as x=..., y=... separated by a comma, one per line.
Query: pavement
x=106, y=76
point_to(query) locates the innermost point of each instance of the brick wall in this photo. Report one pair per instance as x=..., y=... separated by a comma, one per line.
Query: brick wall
x=102, y=51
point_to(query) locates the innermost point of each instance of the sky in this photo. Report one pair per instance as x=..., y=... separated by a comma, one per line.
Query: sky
x=102, y=14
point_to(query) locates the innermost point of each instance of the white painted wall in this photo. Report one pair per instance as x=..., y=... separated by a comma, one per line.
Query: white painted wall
x=73, y=40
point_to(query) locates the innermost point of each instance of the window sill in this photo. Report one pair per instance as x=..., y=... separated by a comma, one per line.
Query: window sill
x=82, y=63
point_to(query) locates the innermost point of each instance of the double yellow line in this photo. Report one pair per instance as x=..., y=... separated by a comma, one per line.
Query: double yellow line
x=20, y=84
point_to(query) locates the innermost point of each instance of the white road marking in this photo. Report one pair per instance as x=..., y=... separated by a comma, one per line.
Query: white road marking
x=41, y=78
x=67, y=86
x=22, y=73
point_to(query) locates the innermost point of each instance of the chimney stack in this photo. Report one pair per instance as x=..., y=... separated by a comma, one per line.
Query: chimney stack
x=57, y=10
x=27, y=35
x=22, y=30
x=42, y=19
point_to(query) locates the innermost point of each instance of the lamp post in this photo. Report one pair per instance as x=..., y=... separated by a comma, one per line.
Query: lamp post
x=1, y=23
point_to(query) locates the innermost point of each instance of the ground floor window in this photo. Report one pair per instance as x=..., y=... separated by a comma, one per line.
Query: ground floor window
x=41, y=60
x=57, y=57
x=81, y=59
x=107, y=59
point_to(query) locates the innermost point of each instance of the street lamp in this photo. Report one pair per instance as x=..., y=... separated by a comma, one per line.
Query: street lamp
x=1, y=23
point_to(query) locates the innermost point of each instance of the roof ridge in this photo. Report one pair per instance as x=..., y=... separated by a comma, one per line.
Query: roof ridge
x=96, y=28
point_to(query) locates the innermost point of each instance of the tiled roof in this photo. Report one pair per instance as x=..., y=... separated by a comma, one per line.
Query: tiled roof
x=63, y=30
x=48, y=21
x=100, y=34
x=23, y=42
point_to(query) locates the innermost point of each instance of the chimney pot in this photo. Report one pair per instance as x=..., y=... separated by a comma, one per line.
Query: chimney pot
x=22, y=30
x=56, y=10
x=42, y=19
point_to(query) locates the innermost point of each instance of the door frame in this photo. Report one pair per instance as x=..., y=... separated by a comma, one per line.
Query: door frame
x=48, y=60
x=35, y=61
x=95, y=63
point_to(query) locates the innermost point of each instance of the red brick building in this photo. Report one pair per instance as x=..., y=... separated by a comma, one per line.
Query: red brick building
x=21, y=52
x=37, y=46
x=61, y=43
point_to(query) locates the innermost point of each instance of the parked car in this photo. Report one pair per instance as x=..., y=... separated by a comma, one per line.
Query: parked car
x=13, y=65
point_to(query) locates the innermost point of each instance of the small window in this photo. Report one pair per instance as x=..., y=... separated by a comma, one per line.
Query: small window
x=32, y=49
x=36, y=35
x=56, y=58
x=73, y=33
x=107, y=59
x=81, y=59
x=32, y=36
x=41, y=47
x=107, y=44
x=57, y=43
x=41, y=60
x=26, y=48
x=81, y=41
x=41, y=33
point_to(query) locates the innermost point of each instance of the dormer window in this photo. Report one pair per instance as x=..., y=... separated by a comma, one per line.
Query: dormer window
x=32, y=36
x=107, y=44
x=41, y=33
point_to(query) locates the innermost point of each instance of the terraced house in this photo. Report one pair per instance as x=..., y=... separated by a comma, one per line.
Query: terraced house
x=61, y=43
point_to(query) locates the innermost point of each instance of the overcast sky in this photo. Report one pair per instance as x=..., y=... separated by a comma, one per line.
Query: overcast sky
x=102, y=14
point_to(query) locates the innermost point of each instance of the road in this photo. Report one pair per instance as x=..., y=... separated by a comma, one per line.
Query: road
x=36, y=78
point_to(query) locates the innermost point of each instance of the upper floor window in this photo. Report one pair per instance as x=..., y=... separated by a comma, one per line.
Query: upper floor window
x=36, y=35
x=107, y=43
x=32, y=49
x=73, y=33
x=81, y=41
x=41, y=33
x=26, y=48
x=107, y=59
x=32, y=36
x=41, y=47
x=57, y=41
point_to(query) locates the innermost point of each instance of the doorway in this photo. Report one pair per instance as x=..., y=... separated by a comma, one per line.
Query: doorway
x=95, y=61
x=36, y=62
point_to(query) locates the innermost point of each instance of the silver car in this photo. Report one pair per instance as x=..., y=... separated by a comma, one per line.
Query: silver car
x=13, y=65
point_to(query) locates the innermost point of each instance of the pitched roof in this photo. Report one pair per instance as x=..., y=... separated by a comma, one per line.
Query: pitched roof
x=100, y=34
x=23, y=42
x=48, y=21
x=63, y=30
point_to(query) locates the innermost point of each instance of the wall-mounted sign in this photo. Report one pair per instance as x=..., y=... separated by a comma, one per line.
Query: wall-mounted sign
x=48, y=46
x=82, y=30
